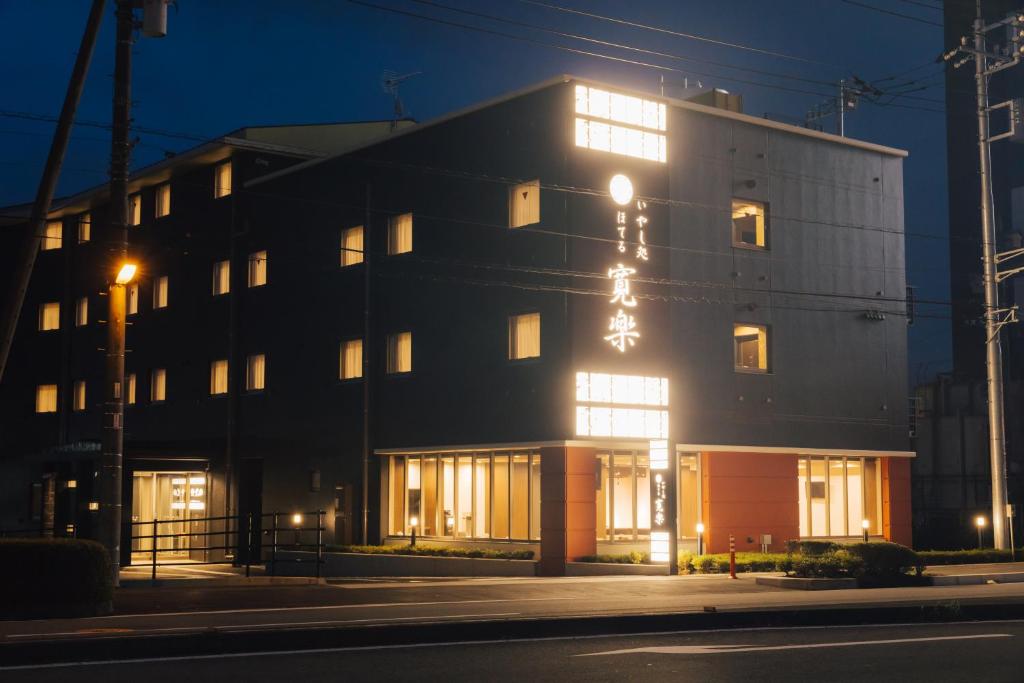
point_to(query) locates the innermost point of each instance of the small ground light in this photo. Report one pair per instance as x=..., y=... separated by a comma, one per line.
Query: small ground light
x=980, y=522
x=413, y=522
x=865, y=525
x=94, y=505
x=700, y=538
x=297, y=519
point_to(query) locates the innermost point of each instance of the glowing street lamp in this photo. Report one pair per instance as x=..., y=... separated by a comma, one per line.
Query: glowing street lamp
x=126, y=274
x=980, y=522
x=297, y=523
x=700, y=538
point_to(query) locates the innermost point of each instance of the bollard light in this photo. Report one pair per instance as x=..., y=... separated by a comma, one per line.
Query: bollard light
x=865, y=525
x=700, y=538
x=297, y=519
x=413, y=522
x=980, y=522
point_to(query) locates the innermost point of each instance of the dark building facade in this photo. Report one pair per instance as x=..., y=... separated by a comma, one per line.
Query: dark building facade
x=566, y=285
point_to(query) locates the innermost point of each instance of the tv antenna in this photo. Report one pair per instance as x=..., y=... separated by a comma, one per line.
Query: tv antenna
x=390, y=81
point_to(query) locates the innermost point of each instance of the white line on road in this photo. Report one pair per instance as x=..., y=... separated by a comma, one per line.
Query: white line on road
x=730, y=649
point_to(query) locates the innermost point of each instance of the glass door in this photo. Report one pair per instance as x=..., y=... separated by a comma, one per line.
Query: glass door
x=172, y=498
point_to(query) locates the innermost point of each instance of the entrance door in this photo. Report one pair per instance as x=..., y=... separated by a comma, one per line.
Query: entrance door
x=171, y=499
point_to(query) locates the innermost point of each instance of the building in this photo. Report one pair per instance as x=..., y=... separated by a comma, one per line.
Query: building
x=566, y=285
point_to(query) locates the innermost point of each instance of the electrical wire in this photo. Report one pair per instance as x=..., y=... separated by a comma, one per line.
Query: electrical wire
x=892, y=13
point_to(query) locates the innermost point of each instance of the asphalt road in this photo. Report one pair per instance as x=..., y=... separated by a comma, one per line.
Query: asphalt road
x=985, y=651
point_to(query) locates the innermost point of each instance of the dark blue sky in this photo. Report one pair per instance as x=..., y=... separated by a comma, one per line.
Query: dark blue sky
x=231, y=63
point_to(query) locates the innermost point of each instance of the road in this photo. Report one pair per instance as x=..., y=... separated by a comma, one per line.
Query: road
x=972, y=652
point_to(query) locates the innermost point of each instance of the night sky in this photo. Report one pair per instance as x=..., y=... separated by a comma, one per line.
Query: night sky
x=231, y=63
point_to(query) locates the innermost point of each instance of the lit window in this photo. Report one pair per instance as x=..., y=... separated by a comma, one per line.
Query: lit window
x=218, y=377
x=748, y=224
x=524, y=336
x=52, y=235
x=256, y=372
x=82, y=312
x=158, y=385
x=634, y=391
x=641, y=136
x=46, y=398
x=399, y=352
x=751, y=342
x=221, y=277
x=133, y=298
x=163, y=200
x=84, y=228
x=351, y=359
x=78, y=404
x=258, y=269
x=524, y=204
x=160, y=286
x=837, y=494
x=352, y=246
x=49, y=316
x=400, y=234
x=135, y=209
x=130, y=381
x=222, y=180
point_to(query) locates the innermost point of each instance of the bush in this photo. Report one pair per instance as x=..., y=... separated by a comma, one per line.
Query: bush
x=433, y=551
x=886, y=559
x=54, y=577
x=634, y=557
x=834, y=564
x=811, y=548
x=745, y=562
x=973, y=556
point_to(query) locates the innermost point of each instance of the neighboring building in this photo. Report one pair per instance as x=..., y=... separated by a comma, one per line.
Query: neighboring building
x=952, y=481
x=561, y=280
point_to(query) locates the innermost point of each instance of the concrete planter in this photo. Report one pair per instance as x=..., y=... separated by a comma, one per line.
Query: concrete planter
x=360, y=564
x=806, y=584
x=612, y=568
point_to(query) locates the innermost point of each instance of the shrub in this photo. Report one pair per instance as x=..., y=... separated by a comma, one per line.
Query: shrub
x=54, y=577
x=886, y=559
x=972, y=556
x=745, y=562
x=634, y=557
x=433, y=551
x=829, y=565
x=811, y=548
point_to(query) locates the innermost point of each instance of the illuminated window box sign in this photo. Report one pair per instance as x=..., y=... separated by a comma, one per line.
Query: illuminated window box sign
x=625, y=423
x=626, y=410
x=598, y=387
x=620, y=124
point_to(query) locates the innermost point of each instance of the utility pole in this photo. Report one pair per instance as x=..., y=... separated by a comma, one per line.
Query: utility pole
x=112, y=438
x=985, y=64
x=48, y=183
x=367, y=370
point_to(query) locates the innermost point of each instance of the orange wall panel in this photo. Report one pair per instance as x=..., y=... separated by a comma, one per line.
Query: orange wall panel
x=568, y=497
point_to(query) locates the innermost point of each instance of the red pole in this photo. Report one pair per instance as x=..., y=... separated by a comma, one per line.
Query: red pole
x=732, y=556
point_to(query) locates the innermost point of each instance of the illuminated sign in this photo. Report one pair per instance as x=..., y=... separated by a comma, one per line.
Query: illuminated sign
x=626, y=406
x=661, y=500
x=622, y=325
x=620, y=124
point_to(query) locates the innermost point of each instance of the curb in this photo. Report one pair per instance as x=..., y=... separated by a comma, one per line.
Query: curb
x=976, y=579
x=210, y=642
x=226, y=582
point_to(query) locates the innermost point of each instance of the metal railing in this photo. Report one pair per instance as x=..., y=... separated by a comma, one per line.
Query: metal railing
x=232, y=527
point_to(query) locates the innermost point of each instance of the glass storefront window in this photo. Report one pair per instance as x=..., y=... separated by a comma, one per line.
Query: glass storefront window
x=520, y=490
x=836, y=493
x=604, y=498
x=622, y=497
x=535, y=497
x=642, y=471
x=482, y=518
x=464, y=487
x=499, y=496
x=414, y=495
x=396, y=512
x=688, y=492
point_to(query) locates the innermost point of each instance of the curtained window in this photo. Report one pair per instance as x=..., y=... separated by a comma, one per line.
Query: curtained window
x=524, y=204
x=352, y=246
x=49, y=316
x=221, y=277
x=400, y=352
x=351, y=360
x=524, y=336
x=218, y=377
x=160, y=287
x=400, y=234
x=52, y=236
x=82, y=312
x=256, y=372
x=46, y=398
x=163, y=200
x=222, y=180
x=258, y=269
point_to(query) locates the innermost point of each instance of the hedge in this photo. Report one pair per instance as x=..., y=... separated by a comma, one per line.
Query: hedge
x=54, y=577
x=433, y=551
x=972, y=556
x=634, y=557
x=745, y=562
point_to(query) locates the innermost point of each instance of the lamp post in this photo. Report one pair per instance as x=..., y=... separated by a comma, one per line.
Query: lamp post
x=109, y=518
x=700, y=538
x=865, y=525
x=297, y=523
x=413, y=522
x=980, y=522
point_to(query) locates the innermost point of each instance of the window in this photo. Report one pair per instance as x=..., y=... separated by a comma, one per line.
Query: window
x=466, y=495
x=130, y=395
x=158, y=385
x=218, y=377
x=160, y=292
x=400, y=352
x=623, y=497
x=82, y=312
x=351, y=360
x=258, y=269
x=352, y=246
x=222, y=180
x=84, y=228
x=46, y=398
x=641, y=136
x=400, y=234
x=256, y=372
x=524, y=336
x=751, y=344
x=52, y=235
x=49, y=316
x=688, y=493
x=135, y=209
x=133, y=298
x=748, y=224
x=524, y=204
x=163, y=200
x=837, y=493
x=221, y=277
x=78, y=404
x=623, y=406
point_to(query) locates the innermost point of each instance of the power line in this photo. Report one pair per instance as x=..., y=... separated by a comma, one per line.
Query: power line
x=892, y=13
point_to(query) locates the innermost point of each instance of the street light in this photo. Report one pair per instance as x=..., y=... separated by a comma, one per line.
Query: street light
x=297, y=523
x=980, y=522
x=700, y=538
x=413, y=522
x=126, y=274
x=865, y=524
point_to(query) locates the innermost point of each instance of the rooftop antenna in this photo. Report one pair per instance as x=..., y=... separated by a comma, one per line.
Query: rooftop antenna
x=390, y=81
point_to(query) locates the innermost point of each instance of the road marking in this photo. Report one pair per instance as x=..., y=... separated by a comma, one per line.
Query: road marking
x=252, y=627
x=729, y=649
